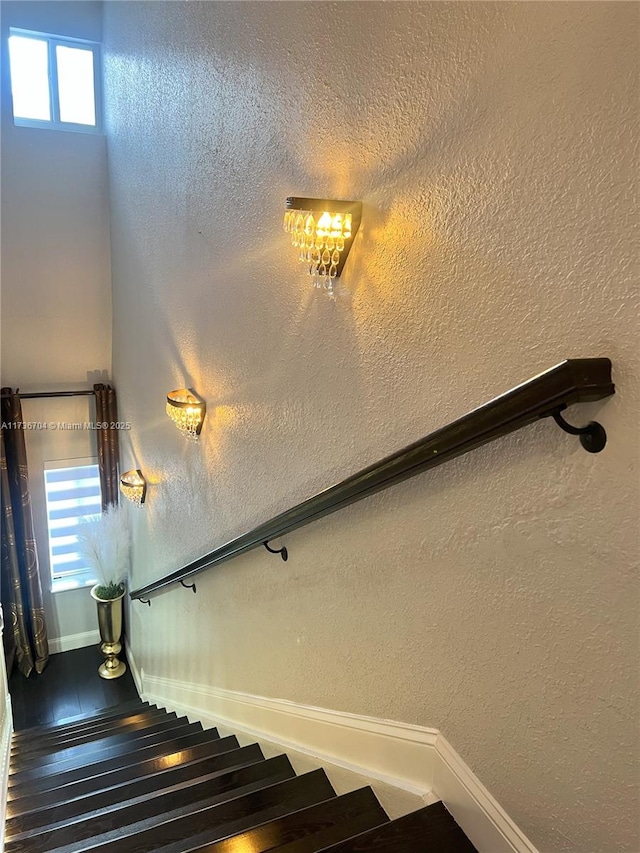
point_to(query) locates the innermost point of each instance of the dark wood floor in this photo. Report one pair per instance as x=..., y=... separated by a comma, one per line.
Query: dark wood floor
x=69, y=686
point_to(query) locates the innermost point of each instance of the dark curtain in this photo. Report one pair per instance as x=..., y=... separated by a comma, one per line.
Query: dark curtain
x=108, y=454
x=21, y=591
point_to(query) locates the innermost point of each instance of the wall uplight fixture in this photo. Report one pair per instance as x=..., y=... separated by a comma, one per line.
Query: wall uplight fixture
x=323, y=232
x=134, y=486
x=187, y=410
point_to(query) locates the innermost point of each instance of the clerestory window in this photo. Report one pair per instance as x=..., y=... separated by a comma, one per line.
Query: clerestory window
x=55, y=81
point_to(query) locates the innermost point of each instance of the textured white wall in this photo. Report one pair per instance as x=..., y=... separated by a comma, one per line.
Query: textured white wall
x=56, y=282
x=492, y=145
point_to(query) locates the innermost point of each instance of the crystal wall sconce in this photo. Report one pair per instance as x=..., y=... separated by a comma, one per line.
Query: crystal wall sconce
x=187, y=410
x=134, y=486
x=323, y=232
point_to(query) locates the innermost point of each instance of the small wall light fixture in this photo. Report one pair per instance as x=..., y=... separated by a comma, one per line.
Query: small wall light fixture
x=186, y=409
x=134, y=486
x=323, y=232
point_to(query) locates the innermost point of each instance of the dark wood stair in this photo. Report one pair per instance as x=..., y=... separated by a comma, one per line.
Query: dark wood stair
x=221, y=753
x=44, y=743
x=79, y=722
x=70, y=757
x=136, y=779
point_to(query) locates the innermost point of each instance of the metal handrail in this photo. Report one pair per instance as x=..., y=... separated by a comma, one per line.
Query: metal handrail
x=546, y=395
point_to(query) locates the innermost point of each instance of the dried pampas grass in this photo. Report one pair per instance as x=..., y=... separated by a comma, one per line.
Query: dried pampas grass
x=105, y=543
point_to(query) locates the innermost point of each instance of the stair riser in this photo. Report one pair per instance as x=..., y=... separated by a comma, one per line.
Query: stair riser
x=157, y=784
x=310, y=829
x=429, y=829
x=217, y=754
x=246, y=765
x=39, y=746
x=81, y=721
x=223, y=820
x=99, y=750
x=128, y=727
x=78, y=762
x=49, y=782
x=164, y=807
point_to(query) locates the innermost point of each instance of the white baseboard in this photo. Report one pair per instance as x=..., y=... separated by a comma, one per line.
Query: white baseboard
x=137, y=674
x=73, y=641
x=387, y=751
x=415, y=759
x=485, y=822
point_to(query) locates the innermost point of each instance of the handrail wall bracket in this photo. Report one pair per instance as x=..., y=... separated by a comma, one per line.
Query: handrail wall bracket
x=282, y=551
x=578, y=380
x=592, y=436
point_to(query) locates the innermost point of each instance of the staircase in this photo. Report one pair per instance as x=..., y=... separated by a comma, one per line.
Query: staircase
x=137, y=779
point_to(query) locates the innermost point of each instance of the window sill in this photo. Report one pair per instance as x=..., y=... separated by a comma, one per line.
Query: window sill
x=66, y=127
x=71, y=584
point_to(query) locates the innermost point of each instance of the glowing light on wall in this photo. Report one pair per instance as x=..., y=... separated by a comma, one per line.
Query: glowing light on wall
x=323, y=232
x=187, y=410
x=134, y=486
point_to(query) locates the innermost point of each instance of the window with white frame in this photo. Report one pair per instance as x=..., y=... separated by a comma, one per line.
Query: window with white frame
x=72, y=491
x=55, y=81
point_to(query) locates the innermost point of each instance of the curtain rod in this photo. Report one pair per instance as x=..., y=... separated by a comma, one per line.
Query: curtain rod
x=52, y=394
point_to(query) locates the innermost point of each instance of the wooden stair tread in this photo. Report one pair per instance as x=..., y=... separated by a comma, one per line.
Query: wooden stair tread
x=206, y=758
x=217, y=822
x=224, y=781
x=428, y=830
x=164, y=806
x=61, y=751
x=51, y=742
x=138, y=779
x=306, y=830
x=171, y=745
x=77, y=724
x=93, y=753
x=67, y=723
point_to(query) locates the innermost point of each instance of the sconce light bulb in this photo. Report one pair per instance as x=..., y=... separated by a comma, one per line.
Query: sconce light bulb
x=133, y=486
x=320, y=232
x=187, y=410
